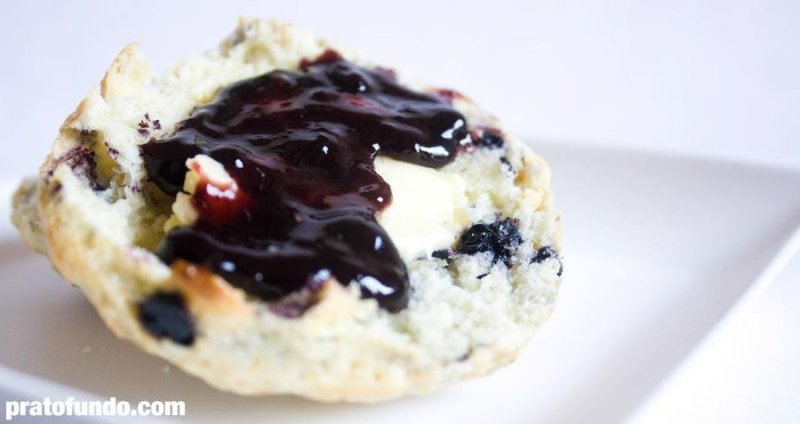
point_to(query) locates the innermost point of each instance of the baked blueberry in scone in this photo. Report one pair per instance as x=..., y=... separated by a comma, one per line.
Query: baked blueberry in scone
x=280, y=216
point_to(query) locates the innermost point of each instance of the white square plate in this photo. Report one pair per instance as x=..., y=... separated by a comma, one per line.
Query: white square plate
x=657, y=249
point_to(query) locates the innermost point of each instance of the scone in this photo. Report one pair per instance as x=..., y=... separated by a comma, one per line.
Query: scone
x=280, y=216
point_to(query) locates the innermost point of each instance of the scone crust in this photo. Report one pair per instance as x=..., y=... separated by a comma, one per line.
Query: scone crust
x=93, y=212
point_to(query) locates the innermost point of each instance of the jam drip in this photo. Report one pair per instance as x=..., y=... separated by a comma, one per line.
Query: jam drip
x=301, y=148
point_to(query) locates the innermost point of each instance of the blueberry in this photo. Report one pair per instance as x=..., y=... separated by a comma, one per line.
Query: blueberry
x=478, y=238
x=165, y=315
x=545, y=253
x=500, y=237
x=505, y=165
x=441, y=254
x=490, y=138
x=83, y=163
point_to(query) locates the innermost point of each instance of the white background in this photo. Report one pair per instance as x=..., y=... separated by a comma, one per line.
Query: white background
x=715, y=78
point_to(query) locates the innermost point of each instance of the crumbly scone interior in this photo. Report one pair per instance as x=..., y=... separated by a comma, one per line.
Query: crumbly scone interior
x=97, y=216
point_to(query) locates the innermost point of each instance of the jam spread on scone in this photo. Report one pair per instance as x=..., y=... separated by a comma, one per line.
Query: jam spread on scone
x=300, y=147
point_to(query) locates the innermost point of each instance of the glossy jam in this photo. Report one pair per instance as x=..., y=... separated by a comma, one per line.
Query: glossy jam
x=300, y=146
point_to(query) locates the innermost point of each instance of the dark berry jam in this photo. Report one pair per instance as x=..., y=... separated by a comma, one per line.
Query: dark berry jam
x=301, y=148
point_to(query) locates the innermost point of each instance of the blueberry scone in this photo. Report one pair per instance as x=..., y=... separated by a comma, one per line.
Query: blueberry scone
x=280, y=216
